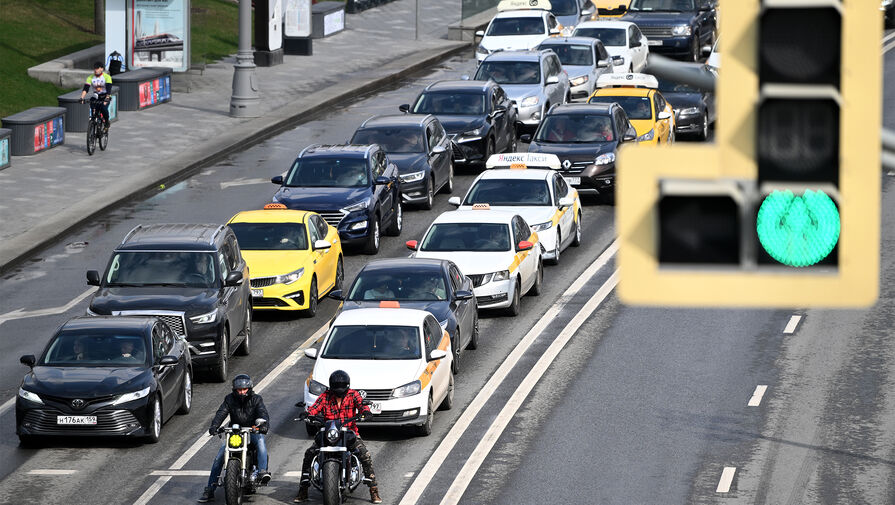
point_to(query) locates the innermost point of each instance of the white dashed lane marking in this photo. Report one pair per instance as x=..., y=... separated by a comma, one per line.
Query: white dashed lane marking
x=792, y=324
x=755, y=401
x=726, y=479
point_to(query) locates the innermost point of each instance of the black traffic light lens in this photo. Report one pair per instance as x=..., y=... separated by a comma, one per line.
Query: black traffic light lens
x=800, y=46
x=699, y=229
x=798, y=140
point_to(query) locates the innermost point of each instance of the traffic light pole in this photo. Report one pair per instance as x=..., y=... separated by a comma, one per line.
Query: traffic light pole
x=245, y=102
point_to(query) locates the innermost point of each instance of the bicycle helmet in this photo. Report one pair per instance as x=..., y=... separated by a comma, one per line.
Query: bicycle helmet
x=339, y=382
x=242, y=381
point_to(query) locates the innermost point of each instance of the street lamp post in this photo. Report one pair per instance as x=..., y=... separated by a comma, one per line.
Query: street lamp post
x=244, y=102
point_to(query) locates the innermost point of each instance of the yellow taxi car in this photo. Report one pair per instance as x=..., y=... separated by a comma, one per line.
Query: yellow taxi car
x=650, y=114
x=294, y=257
x=609, y=8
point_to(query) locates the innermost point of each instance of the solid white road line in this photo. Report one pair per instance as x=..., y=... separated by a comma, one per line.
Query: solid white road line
x=792, y=324
x=292, y=474
x=153, y=489
x=51, y=472
x=22, y=313
x=424, y=477
x=180, y=473
x=888, y=47
x=243, y=182
x=726, y=479
x=6, y=405
x=467, y=473
x=755, y=401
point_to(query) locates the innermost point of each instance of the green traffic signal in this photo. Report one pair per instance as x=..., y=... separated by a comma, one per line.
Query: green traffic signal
x=798, y=231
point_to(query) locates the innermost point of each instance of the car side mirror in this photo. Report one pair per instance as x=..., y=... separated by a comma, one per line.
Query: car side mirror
x=311, y=353
x=525, y=245
x=552, y=80
x=277, y=179
x=525, y=138
x=382, y=180
x=321, y=244
x=92, y=278
x=603, y=64
x=168, y=360
x=404, y=107
x=233, y=279
x=480, y=33
x=28, y=360
x=622, y=8
x=498, y=111
x=588, y=11
x=463, y=295
x=618, y=61
x=437, y=354
x=566, y=202
x=454, y=200
x=635, y=43
x=664, y=115
x=412, y=244
x=630, y=134
x=439, y=150
x=335, y=294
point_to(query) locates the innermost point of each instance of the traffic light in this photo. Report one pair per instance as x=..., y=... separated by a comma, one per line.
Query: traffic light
x=783, y=210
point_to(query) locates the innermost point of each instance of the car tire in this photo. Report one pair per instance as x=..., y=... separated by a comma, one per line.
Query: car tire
x=425, y=429
x=489, y=150
x=311, y=311
x=219, y=371
x=448, y=187
x=704, y=132
x=474, y=339
x=576, y=241
x=186, y=402
x=372, y=246
x=455, y=349
x=340, y=275
x=515, y=304
x=245, y=348
x=539, y=279
x=397, y=224
x=430, y=195
x=155, y=421
x=448, y=402
x=558, y=250
x=694, y=49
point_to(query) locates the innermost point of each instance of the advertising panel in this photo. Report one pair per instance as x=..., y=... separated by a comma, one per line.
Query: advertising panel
x=48, y=134
x=158, y=34
x=113, y=108
x=154, y=91
x=4, y=152
x=297, y=18
x=275, y=22
x=333, y=22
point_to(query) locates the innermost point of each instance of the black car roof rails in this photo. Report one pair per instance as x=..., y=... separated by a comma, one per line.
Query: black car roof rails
x=554, y=106
x=374, y=116
x=133, y=230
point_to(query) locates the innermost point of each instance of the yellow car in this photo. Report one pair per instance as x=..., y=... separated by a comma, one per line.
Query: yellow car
x=294, y=257
x=609, y=8
x=650, y=114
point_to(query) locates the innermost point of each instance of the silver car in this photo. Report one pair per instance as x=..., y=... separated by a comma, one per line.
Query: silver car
x=533, y=80
x=584, y=60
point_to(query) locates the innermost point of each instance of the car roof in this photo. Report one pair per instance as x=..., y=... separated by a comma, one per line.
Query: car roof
x=512, y=173
x=460, y=85
x=340, y=150
x=270, y=216
x=405, y=264
x=516, y=55
x=376, y=316
x=396, y=120
x=604, y=23
x=581, y=108
x=528, y=13
x=175, y=236
x=101, y=323
x=562, y=41
x=474, y=216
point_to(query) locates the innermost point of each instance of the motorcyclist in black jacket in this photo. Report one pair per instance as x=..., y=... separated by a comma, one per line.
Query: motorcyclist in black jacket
x=244, y=408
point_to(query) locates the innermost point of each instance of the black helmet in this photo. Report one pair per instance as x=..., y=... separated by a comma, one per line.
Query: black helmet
x=339, y=382
x=242, y=381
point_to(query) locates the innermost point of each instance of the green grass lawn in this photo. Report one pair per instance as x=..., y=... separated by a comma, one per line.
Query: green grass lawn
x=36, y=31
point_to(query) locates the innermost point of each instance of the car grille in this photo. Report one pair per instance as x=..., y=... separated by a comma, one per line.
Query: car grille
x=106, y=420
x=174, y=320
x=332, y=218
x=477, y=279
x=611, y=12
x=576, y=167
x=263, y=282
x=377, y=395
x=268, y=302
x=87, y=401
x=656, y=32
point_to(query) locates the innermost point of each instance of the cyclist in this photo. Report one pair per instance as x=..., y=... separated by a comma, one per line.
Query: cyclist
x=101, y=84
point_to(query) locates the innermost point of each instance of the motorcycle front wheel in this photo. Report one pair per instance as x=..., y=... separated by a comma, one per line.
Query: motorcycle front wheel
x=232, y=484
x=332, y=494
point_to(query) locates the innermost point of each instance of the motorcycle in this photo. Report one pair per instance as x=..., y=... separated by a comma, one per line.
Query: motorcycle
x=336, y=470
x=239, y=476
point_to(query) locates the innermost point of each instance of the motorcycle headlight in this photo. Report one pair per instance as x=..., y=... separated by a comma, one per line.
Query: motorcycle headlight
x=316, y=388
x=129, y=397
x=605, y=159
x=204, y=318
x=413, y=176
x=31, y=397
x=690, y=111
x=411, y=389
x=530, y=101
x=356, y=206
x=332, y=436
x=235, y=441
x=481, y=50
x=578, y=81
x=681, y=30
x=541, y=226
x=290, y=277
x=647, y=136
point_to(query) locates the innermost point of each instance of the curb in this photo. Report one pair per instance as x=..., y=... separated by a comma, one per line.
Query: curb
x=176, y=169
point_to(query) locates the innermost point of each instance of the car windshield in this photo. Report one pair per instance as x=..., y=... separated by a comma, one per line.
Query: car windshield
x=662, y=5
x=507, y=192
x=637, y=107
x=510, y=72
x=564, y=7
x=400, y=285
x=373, y=342
x=575, y=129
x=328, y=172
x=516, y=26
x=270, y=236
x=76, y=349
x=570, y=54
x=162, y=268
x=460, y=104
x=675, y=87
x=394, y=139
x=610, y=37
x=443, y=237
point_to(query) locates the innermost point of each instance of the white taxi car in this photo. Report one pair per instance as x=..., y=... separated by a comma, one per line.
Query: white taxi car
x=519, y=25
x=398, y=359
x=528, y=184
x=496, y=249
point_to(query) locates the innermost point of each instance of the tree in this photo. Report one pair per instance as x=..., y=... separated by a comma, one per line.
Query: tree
x=99, y=17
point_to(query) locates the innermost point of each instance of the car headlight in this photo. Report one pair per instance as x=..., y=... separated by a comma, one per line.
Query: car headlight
x=481, y=50
x=356, y=206
x=290, y=277
x=530, y=101
x=316, y=388
x=411, y=389
x=690, y=111
x=31, y=397
x=495, y=277
x=129, y=397
x=681, y=30
x=542, y=226
x=360, y=225
x=205, y=318
x=472, y=133
x=413, y=176
x=605, y=158
x=578, y=81
x=647, y=136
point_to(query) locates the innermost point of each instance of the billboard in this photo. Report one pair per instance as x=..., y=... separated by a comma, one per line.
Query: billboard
x=48, y=134
x=158, y=34
x=297, y=19
x=155, y=91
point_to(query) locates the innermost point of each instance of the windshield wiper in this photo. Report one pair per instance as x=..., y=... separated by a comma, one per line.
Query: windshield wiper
x=123, y=285
x=166, y=284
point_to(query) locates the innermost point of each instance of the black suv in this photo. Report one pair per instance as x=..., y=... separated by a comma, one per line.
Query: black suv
x=355, y=188
x=677, y=28
x=191, y=276
x=586, y=138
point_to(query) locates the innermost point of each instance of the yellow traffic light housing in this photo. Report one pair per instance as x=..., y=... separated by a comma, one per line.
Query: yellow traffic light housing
x=797, y=128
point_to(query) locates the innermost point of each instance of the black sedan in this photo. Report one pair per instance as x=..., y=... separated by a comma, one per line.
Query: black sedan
x=436, y=286
x=105, y=376
x=694, y=110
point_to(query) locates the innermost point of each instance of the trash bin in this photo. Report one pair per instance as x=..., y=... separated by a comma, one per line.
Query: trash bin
x=327, y=18
x=5, y=137
x=77, y=114
x=143, y=88
x=35, y=130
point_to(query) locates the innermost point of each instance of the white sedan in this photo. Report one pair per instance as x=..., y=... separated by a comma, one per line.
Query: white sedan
x=622, y=39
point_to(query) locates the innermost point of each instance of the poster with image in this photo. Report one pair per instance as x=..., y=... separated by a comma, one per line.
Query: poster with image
x=275, y=19
x=48, y=134
x=158, y=34
x=297, y=19
x=154, y=91
x=4, y=152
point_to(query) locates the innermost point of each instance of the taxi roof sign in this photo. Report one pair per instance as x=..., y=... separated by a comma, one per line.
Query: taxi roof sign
x=481, y=206
x=627, y=81
x=270, y=206
x=518, y=5
x=389, y=304
x=523, y=160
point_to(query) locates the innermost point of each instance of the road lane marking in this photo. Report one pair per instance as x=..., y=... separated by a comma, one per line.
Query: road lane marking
x=888, y=47
x=22, y=313
x=475, y=460
x=47, y=471
x=425, y=476
x=792, y=324
x=726, y=479
x=888, y=38
x=244, y=182
x=180, y=473
x=153, y=489
x=292, y=474
x=6, y=405
x=755, y=401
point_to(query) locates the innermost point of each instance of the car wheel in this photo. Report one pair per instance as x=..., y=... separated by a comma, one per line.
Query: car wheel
x=340, y=275
x=448, y=402
x=577, y=240
x=425, y=429
x=694, y=49
x=474, y=339
x=455, y=349
x=245, y=348
x=373, y=238
x=397, y=224
x=219, y=372
x=513, y=145
x=155, y=421
x=489, y=150
x=430, y=195
x=311, y=311
x=513, y=309
x=187, y=402
x=539, y=279
x=704, y=133
x=558, y=249
x=449, y=185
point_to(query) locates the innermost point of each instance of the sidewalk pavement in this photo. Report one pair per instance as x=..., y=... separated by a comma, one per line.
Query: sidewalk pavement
x=43, y=196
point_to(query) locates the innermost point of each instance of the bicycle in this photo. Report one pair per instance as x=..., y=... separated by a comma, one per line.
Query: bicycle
x=95, y=131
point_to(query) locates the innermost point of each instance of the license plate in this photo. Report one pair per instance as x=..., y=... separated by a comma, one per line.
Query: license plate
x=654, y=42
x=574, y=181
x=258, y=293
x=75, y=419
x=376, y=408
